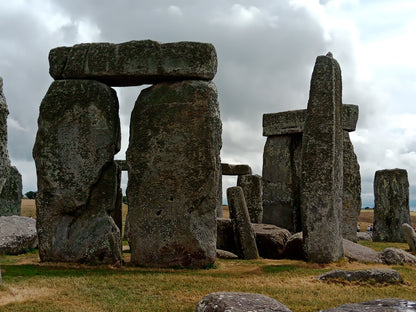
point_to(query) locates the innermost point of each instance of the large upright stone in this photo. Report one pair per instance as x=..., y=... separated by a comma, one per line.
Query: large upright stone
x=134, y=62
x=174, y=167
x=391, y=210
x=4, y=155
x=11, y=195
x=351, y=198
x=322, y=162
x=78, y=135
x=252, y=188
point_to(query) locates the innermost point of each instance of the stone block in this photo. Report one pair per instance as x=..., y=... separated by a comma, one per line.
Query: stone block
x=11, y=195
x=239, y=169
x=17, y=235
x=409, y=236
x=252, y=188
x=134, y=62
x=174, y=169
x=270, y=240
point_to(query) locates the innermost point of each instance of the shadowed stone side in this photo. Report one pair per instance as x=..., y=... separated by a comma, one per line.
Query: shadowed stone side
x=351, y=198
x=174, y=167
x=11, y=195
x=78, y=136
x=135, y=62
x=281, y=181
x=4, y=154
x=391, y=210
x=245, y=239
x=322, y=162
x=252, y=188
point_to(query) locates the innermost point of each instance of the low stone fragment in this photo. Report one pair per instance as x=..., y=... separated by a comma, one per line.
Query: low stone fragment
x=243, y=231
x=392, y=256
x=379, y=305
x=366, y=236
x=11, y=195
x=224, y=254
x=409, y=236
x=239, y=169
x=357, y=252
x=252, y=189
x=270, y=240
x=135, y=62
x=373, y=275
x=17, y=235
x=239, y=302
x=294, y=247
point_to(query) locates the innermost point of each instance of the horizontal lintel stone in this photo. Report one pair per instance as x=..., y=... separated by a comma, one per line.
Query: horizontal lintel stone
x=228, y=169
x=293, y=121
x=135, y=62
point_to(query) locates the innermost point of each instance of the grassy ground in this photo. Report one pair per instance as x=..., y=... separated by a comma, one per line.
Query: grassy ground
x=29, y=285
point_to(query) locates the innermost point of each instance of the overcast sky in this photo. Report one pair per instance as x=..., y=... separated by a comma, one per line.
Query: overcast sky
x=266, y=52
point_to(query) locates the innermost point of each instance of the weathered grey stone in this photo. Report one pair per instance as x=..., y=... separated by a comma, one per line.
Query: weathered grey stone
x=366, y=236
x=17, y=234
x=409, y=236
x=379, y=305
x=252, y=189
x=291, y=122
x=322, y=162
x=270, y=240
x=357, y=252
x=391, y=210
x=4, y=154
x=11, y=195
x=225, y=235
x=78, y=135
x=239, y=302
x=239, y=169
x=224, y=254
x=351, y=198
x=174, y=167
x=134, y=62
x=373, y=275
x=281, y=181
x=393, y=256
x=294, y=247
x=243, y=231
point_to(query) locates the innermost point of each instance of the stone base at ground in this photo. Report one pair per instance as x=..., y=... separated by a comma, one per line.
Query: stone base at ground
x=11, y=195
x=270, y=240
x=17, y=235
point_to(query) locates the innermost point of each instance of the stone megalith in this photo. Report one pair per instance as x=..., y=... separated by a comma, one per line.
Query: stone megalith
x=322, y=164
x=351, y=197
x=78, y=136
x=245, y=239
x=11, y=195
x=174, y=166
x=391, y=210
x=409, y=236
x=252, y=188
x=4, y=154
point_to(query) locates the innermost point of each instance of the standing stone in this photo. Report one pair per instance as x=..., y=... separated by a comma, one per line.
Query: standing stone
x=174, y=167
x=351, y=198
x=322, y=162
x=4, y=155
x=281, y=181
x=11, y=195
x=243, y=232
x=391, y=210
x=409, y=236
x=78, y=136
x=252, y=188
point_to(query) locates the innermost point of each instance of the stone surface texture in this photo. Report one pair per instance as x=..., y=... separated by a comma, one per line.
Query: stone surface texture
x=4, y=154
x=17, y=235
x=78, y=136
x=281, y=181
x=252, y=189
x=174, y=166
x=235, y=169
x=378, y=305
x=393, y=256
x=373, y=275
x=357, y=252
x=243, y=231
x=409, y=236
x=322, y=165
x=224, y=254
x=239, y=302
x=351, y=198
x=391, y=210
x=11, y=194
x=270, y=240
x=135, y=62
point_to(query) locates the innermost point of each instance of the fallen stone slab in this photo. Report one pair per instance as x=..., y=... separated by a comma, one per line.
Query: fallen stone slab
x=17, y=234
x=135, y=62
x=224, y=254
x=378, y=305
x=392, y=256
x=374, y=275
x=229, y=169
x=270, y=240
x=357, y=252
x=239, y=302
